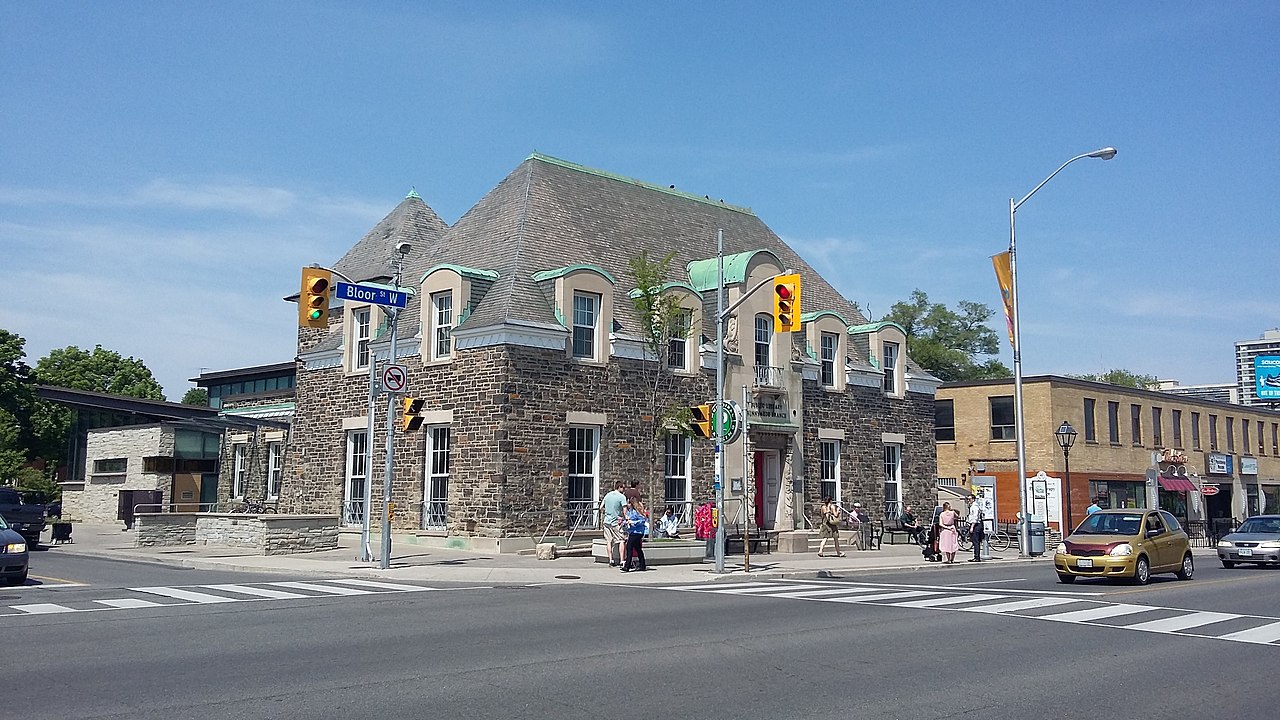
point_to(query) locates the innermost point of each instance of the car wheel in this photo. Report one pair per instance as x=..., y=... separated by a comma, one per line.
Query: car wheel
x=1228, y=564
x=1188, y=568
x=1142, y=571
x=1066, y=579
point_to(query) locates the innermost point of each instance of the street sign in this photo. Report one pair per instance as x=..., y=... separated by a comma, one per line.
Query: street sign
x=371, y=294
x=395, y=378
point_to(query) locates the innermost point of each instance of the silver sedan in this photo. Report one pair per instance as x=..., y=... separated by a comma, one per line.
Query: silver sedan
x=1257, y=540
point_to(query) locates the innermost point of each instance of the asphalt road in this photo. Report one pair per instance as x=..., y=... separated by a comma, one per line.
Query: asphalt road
x=592, y=651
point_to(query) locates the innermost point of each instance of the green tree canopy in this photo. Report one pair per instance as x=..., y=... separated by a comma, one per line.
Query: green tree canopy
x=952, y=345
x=196, y=396
x=1124, y=378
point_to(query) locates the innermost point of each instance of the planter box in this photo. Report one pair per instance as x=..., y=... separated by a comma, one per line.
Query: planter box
x=660, y=552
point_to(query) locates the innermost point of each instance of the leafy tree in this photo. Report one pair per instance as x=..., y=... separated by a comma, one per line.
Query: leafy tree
x=196, y=396
x=1124, y=378
x=947, y=343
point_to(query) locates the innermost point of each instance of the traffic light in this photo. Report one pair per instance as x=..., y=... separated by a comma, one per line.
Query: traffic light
x=701, y=420
x=411, y=420
x=313, y=301
x=786, y=303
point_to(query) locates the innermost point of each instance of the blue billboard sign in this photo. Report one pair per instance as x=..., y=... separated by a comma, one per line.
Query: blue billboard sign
x=1266, y=375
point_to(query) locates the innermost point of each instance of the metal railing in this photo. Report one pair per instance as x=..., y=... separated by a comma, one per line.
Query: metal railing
x=768, y=376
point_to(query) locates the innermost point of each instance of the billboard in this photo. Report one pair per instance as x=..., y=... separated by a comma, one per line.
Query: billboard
x=1266, y=375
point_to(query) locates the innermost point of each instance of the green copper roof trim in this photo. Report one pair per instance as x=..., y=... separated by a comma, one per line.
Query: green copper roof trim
x=635, y=292
x=561, y=272
x=466, y=272
x=639, y=183
x=875, y=327
x=811, y=316
x=702, y=273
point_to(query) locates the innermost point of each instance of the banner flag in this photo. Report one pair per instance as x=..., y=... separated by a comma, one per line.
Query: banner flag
x=1004, y=276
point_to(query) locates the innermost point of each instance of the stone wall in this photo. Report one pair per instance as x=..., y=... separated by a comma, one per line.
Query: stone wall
x=261, y=535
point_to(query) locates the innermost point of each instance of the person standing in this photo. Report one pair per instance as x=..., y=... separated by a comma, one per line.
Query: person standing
x=611, y=509
x=977, y=526
x=637, y=528
x=949, y=534
x=829, y=526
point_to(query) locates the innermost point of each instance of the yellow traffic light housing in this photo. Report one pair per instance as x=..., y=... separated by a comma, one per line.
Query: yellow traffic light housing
x=410, y=420
x=702, y=420
x=786, y=303
x=313, y=300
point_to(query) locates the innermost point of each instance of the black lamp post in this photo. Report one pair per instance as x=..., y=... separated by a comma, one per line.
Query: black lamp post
x=1066, y=438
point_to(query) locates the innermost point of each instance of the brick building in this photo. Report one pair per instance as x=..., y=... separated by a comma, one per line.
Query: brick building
x=522, y=338
x=1199, y=459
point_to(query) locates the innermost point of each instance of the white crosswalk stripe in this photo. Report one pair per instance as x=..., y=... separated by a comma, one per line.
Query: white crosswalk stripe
x=1085, y=609
x=177, y=596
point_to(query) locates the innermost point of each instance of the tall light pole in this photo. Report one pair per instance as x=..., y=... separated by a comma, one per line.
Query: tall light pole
x=1024, y=541
x=1066, y=438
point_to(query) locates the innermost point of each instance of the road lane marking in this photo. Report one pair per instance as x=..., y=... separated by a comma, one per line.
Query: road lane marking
x=1098, y=613
x=956, y=600
x=41, y=608
x=1182, y=622
x=127, y=603
x=258, y=592
x=188, y=595
x=328, y=589
x=1265, y=634
x=379, y=585
x=1017, y=605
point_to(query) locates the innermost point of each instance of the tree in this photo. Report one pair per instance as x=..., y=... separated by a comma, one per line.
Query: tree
x=1124, y=378
x=196, y=396
x=950, y=344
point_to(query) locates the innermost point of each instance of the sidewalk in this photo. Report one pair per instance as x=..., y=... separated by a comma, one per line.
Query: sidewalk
x=432, y=564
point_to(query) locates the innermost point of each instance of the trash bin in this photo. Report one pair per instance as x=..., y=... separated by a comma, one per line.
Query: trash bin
x=1037, y=537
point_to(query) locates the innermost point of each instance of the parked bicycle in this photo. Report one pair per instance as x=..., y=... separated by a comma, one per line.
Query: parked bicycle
x=254, y=506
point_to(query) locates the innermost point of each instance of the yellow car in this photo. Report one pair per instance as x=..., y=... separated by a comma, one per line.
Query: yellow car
x=1129, y=544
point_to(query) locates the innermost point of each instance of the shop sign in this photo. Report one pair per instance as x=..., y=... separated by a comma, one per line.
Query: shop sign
x=1248, y=466
x=1218, y=464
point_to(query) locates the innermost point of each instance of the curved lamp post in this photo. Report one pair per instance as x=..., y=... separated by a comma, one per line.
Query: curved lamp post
x=1024, y=542
x=1066, y=438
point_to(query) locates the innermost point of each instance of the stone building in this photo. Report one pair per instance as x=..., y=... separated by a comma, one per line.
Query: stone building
x=1199, y=459
x=522, y=338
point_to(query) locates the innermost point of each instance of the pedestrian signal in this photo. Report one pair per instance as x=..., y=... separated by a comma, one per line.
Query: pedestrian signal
x=313, y=301
x=786, y=303
x=410, y=420
x=702, y=419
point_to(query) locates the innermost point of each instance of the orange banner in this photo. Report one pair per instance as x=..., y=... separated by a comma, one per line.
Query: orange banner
x=1004, y=276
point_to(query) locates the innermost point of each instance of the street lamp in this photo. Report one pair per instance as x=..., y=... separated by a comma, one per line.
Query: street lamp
x=1066, y=438
x=1024, y=542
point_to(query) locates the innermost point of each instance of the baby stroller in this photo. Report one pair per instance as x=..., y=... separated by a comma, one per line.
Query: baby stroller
x=930, y=549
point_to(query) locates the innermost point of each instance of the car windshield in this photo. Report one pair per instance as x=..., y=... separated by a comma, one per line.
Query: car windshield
x=1110, y=524
x=1262, y=526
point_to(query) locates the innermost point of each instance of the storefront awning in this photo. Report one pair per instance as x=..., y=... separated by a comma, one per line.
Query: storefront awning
x=1176, y=484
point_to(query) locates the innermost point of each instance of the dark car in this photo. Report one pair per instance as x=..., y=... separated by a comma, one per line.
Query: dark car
x=13, y=555
x=1257, y=540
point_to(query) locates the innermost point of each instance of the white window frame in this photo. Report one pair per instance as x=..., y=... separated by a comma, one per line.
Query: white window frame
x=677, y=450
x=357, y=459
x=239, y=469
x=435, y=473
x=889, y=357
x=361, y=335
x=829, y=469
x=441, y=325
x=585, y=323
x=827, y=357
x=587, y=506
x=893, y=478
x=678, y=347
x=275, y=469
x=763, y=340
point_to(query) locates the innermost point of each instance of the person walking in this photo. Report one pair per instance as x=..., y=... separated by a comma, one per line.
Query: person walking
x=949, y=537
x=977, y=526
x=615, y=538
x=637, y=528
x=829, y=526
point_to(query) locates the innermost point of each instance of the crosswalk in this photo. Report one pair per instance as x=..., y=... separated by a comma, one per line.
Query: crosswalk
x=1083, y=608
x=168, y=596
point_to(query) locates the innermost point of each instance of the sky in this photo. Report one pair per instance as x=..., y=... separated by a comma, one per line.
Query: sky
x=167, y=168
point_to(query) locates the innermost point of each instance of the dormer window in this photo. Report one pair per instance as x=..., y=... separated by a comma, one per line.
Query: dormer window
x=586, y=322
x=890, y=356
x=830, y=343
x=441, y=325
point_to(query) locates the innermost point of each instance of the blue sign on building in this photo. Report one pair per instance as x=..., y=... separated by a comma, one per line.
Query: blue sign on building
x=1266, y=376
x=371, y=294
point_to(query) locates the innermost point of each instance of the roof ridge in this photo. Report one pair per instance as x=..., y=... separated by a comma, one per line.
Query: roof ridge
x=634, y=181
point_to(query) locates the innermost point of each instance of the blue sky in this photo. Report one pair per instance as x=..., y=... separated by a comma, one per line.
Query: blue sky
x=168, y=167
